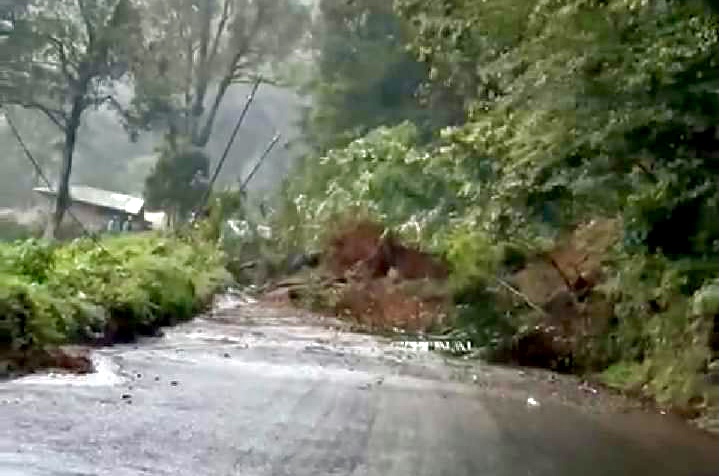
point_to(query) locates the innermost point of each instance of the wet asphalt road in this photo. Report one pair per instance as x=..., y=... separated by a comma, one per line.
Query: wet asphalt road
x=254, y=391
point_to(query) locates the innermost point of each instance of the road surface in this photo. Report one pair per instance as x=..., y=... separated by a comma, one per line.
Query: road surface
x=253, y=390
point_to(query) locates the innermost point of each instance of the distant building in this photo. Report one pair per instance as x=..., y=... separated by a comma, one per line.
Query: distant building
x=95, y=207
x=157, y=220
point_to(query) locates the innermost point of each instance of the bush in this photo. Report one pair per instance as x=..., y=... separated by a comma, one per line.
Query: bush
x=661, y=341
x=72, y=292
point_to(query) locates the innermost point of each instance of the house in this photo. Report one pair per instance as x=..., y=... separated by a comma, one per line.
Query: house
x=95, y=207
x=7, y=18
x=157, y=220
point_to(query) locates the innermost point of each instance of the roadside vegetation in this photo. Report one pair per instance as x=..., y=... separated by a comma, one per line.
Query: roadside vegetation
x=79, y=292
x=557, y=158
x=573, y=113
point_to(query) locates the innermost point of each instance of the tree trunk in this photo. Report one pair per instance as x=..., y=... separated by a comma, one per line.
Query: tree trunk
x=201, y=139
x=203, y=72
x=62, y=202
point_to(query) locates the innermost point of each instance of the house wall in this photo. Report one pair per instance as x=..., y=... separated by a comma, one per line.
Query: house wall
x=95, y=219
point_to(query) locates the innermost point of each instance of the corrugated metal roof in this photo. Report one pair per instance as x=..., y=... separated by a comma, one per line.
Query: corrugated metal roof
x=101, y=198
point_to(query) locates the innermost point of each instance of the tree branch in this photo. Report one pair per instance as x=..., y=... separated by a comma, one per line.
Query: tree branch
x=220, y=29
x=203, y=71
x=113, y=103
x=643, y=167
x=242, y=49
x=88, y=24
x=265, y=80
x=64, y=61
x=55, y=115
x=247, y=63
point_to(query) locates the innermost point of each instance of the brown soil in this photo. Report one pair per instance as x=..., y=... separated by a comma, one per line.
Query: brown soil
x=365, y=249
x=379, y=283
x=74, y=359
x=370, y=278
x=562, y=283
x=384, y=305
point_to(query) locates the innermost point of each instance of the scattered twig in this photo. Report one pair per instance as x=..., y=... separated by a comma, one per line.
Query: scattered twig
x=524, y=297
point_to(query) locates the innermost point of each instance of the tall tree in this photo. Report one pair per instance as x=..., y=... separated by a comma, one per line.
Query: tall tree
x=364, y=76
x=588, y=106
x=62, y=58
x=197, y=49
x=177, y=182
x=17, y=175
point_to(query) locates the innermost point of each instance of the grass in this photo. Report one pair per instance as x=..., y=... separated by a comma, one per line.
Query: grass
x=55, y=294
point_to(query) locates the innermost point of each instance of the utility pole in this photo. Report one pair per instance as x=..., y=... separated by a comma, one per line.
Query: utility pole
x=211, y=183
x=257, y=165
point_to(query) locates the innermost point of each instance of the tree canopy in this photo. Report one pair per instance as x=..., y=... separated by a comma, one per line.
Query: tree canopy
x=364, y=77
x=572, y=110
x=177, y=182
x=196, y=50
x=63, y=57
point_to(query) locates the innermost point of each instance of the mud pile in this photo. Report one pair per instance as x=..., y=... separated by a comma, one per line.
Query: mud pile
x=70, y=359
x=369, y=277
x=562, y=284
x=365, y=249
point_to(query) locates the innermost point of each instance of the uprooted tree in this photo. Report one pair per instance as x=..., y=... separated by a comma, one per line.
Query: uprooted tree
x=62, y=58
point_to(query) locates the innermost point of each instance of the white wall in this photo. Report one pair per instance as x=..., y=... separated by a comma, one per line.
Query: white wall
x=93, y=218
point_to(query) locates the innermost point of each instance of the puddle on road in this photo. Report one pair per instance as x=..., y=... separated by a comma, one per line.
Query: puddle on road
x=106, y=374
x=213, y=337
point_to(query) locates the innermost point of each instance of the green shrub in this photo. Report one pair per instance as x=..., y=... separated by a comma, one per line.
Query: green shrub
x=664, y=312
x=50, y=295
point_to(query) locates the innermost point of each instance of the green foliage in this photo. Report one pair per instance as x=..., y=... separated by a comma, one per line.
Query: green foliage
x=178, y=181
x=574, y=109
x=473, y=257
x=364, y=76
x=32, y=258
x=146, y=280
x=385, y=174
x=664, y=315
x=633, y=108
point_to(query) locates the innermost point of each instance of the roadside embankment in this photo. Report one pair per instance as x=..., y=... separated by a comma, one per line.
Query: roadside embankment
x=579, y=306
